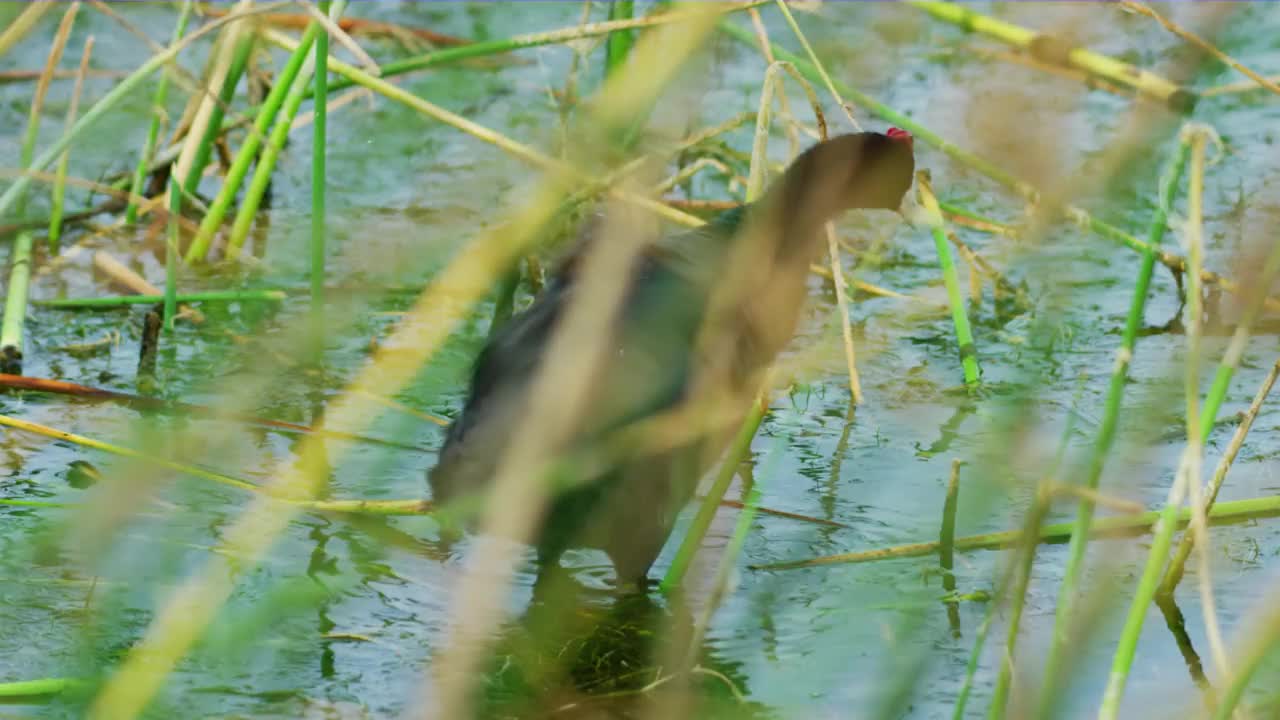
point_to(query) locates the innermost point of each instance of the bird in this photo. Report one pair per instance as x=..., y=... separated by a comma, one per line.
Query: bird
x=702, y=316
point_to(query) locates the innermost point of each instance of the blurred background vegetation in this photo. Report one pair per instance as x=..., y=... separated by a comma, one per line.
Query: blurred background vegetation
x=237, y=318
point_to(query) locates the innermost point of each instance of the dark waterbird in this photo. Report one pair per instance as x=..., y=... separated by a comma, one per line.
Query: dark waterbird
x=702, y=317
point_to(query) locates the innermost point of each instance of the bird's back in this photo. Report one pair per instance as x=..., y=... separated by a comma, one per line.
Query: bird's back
x=647, y=370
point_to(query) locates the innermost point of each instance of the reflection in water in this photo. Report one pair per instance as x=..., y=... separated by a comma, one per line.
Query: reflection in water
x=605, y=656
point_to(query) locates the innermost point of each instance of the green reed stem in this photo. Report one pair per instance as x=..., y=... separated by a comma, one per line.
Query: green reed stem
x=474, y=50
x=15, y=307
x=126, y=300
x=1112, y=526
x=971, y=667
x=1073, y=213
x=1197, y=429
x=618, y=45
x=1127, y=647
x=266, y=163
x=43, y=686
x=249, y=150
x=732, y=551
x=738, y=450
x=371, y=507
x=1106, y=435
x=1261, y=645
x=1255, y=300
x=1025, y=558
x=158, y=114
x=1057, y=50
x=239, y=62
x=9, y=199
x=171, y=255
x=1020, y=566
x=741, y=444
x=883, y=111
x=319, y=151
x=964, y=333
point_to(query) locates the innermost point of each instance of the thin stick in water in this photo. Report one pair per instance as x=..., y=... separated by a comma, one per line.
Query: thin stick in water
x=171, y=255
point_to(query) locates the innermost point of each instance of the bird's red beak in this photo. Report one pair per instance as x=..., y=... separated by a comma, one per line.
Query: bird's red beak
x=900, y=135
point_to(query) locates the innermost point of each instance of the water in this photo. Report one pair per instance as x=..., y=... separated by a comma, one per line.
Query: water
x=824, y=642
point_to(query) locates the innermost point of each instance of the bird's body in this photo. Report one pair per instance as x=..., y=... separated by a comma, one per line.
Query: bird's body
x=680, y=341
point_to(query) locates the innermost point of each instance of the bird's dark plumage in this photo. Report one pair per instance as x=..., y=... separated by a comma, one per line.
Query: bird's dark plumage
x=678, y=333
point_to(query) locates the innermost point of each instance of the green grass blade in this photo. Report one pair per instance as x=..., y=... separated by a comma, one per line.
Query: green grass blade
x=266, y=162
x=239, y=62
x=9, y=199
x=1106, y=435
x=249, y=150
x=959, y=317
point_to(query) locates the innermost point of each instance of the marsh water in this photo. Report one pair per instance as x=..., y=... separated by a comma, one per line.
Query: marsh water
x=405, y=192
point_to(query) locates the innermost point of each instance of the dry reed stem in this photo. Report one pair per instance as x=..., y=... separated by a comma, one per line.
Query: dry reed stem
x=1242, y=86
x=225, y=46
x=129, y=27
x=689, y=171
x=42, y=85
x=335, y=31
x=60, y=174
x=123, y=195
x=402, y=408
x=180, y=75
x=1174, y=573
x=1015, y=58
x=492, y=137
x=350, y=25
x=126, y=277
x=1201, y=43
x=518, y=492
x=772, y=88
x=184, y=615
x=16, y=76
x=1194, y=233
x=22, y=24
x=842, y=306
x=817, y=64
x=784, y=105
x=1096, y=497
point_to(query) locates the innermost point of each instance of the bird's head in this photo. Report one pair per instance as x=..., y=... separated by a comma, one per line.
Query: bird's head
x=866, y=170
